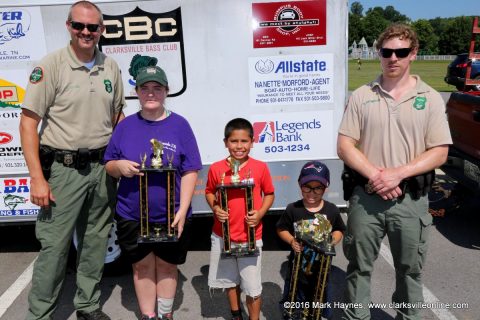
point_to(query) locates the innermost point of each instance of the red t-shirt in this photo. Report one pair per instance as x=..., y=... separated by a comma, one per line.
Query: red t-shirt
x=255, y=169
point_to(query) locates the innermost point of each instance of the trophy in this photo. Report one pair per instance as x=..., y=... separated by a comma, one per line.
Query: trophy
x=315, y=235
x=157, y=232
x=237, y=249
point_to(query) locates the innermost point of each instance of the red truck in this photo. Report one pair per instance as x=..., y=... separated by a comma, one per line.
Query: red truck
x=463, y=111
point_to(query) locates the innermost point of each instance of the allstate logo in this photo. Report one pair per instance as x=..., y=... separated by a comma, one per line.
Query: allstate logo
x=264, y=132
x=14, y=24
x=264, y=66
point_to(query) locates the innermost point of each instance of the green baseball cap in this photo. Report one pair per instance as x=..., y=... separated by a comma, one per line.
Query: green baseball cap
x=151, y=73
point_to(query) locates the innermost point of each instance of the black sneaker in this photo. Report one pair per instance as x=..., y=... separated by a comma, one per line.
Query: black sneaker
x=166, y=316
x=94, y=315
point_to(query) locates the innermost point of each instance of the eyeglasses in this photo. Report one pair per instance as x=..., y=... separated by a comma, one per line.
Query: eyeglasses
x=316, y=190
x=80, y=26
x=399, y=53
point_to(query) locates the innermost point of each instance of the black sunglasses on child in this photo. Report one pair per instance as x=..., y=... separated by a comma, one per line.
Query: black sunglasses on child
x=80, y=26
x=399, y=53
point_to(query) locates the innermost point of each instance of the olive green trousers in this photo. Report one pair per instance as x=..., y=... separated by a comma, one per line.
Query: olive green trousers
x=84, y=201
x=406, y=224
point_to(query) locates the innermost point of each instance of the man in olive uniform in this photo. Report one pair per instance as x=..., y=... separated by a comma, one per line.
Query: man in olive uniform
x=394, y=133
x=77, y=93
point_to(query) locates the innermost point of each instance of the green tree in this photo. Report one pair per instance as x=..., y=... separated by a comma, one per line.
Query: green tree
x=373, y=24
x=393, y=15
x=356, y=9
x=427, y=38
x=355, y=28
x=456, y=36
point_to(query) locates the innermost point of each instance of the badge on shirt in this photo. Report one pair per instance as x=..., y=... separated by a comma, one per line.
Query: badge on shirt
x=419, y=103
x=108, y=85
x=37, y=75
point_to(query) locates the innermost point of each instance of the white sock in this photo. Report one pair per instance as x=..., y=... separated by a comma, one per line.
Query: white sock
x=164, y=306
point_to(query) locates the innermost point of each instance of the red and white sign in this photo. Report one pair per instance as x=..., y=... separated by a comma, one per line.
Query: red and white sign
x=289, y=24
x=5, y=137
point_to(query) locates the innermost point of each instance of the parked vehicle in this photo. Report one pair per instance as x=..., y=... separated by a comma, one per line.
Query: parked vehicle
x=463, y=111
x=457, y=69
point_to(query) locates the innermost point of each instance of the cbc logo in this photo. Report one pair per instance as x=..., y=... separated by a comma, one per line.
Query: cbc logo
x=139, y=28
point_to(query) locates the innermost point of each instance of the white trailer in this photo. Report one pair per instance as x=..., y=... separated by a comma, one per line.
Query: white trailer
x=280, y=64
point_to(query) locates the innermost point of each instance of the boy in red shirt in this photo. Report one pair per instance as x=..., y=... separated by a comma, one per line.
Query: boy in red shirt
x=238, y=273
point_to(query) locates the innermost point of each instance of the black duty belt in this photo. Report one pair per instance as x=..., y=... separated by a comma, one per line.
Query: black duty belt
x=79, y=158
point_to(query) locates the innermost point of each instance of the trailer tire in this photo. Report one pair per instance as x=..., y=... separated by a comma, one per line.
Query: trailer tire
x=113, y=249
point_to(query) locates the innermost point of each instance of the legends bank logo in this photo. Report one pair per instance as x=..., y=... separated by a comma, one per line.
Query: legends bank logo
x=283, y=131
x=264, y=132
x=14, y=24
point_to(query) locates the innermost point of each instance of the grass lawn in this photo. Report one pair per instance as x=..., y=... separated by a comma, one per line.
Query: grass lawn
x=432, y=72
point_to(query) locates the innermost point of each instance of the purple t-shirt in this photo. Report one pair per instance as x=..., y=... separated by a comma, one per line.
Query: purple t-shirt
x=130, y=139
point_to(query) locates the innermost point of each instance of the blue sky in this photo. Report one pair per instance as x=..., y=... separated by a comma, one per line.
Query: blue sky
x=426, y=9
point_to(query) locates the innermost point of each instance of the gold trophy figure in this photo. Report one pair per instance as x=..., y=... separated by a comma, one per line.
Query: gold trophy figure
x=149, y=231
x=237, y=249
x=235, y=167
x=143, y=158
x=157, y=148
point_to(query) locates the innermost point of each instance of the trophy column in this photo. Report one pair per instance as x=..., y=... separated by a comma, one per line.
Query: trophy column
x=251, y=230
x=144, y=227
x=171, y=231
x=223, y=200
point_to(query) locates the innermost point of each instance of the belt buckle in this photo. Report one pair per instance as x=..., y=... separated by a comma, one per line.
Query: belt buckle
x=67, y=159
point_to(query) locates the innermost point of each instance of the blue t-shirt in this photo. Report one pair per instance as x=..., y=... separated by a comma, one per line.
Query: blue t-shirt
x=131, y=139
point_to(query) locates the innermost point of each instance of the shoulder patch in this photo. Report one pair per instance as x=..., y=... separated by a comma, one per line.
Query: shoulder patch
x=37, y=75
x=108, y=85
x=419, y=103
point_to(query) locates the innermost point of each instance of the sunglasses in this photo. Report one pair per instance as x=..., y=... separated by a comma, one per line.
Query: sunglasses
x=80, y=26
x=399, y=53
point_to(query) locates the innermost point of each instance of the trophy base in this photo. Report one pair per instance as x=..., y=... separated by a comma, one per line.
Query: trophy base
x=154, y=238
x=159, y=234
x=296, y=314
x=239, y=251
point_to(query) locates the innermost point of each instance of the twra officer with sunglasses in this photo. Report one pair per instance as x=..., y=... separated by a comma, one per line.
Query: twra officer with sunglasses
x=77, y=94
x=313, y=181
x=394, y=133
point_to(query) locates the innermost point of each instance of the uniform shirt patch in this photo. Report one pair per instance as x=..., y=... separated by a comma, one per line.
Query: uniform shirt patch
x=419, y=103
x=108, y=85
x=37, y=75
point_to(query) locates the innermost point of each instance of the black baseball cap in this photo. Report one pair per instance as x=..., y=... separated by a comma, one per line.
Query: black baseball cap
x=314, y=171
